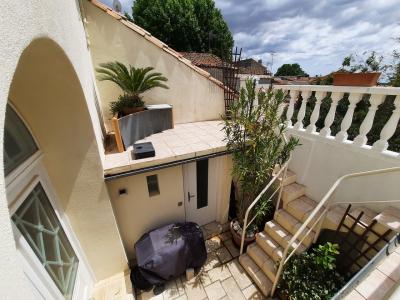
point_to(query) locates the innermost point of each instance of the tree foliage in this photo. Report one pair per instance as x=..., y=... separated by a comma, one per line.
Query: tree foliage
x=185, y=25
x=290, y=70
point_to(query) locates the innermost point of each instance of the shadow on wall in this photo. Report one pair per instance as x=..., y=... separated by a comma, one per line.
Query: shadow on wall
x=48, y=95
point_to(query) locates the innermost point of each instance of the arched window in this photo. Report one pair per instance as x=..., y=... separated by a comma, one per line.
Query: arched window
x=19, y=144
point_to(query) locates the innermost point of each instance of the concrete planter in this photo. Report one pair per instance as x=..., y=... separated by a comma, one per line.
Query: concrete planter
x=356, y=79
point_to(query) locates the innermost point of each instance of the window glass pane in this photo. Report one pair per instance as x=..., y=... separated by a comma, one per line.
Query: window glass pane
x=202, y=183
x=18, y=142
x=39, y=224
x=152, y=185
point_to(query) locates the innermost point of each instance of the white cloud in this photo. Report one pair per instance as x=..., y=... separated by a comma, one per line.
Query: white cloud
x=316, y=34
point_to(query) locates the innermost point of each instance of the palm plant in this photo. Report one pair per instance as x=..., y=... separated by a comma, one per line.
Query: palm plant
x=132, y=81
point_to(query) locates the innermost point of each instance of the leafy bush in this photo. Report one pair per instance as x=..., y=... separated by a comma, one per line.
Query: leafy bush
x=255, y=135
x=312, y=275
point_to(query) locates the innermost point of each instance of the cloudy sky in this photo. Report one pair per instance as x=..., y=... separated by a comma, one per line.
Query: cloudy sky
x=316, y=34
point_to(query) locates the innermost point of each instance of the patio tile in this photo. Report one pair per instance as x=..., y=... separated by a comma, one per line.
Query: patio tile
x=252, y=293
x=149, y=296
x=232, y=289
x=391, y=266
x=219, y=273
x=213, y=244
x=223, y=255
x=215, y=291
x=232, y=248
x=225, y=236
x=240, y=275
x=211, y=229
x=171, y=290
x=194, y=290
x=211, y=262
x=354, y=295
x=375, y=286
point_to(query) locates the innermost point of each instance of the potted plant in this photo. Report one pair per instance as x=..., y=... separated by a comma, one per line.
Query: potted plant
x=359, y=72
x=133, y=82
x=255, y=136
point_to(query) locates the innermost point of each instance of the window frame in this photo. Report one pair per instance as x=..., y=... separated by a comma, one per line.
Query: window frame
x=19, y=183
x=27, y=162
x=153, y=193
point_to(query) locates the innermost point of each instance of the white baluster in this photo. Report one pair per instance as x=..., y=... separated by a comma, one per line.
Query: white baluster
x=330, y=117
x=366, y=125
x=354, y=98
x=389, y=129
x=302, y=111
x=293, y=97
x=315, y=114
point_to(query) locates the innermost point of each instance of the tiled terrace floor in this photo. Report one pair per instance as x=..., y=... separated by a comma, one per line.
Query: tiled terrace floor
x=222, y=277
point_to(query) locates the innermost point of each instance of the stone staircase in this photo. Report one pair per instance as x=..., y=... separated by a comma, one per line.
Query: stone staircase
x=262, y=258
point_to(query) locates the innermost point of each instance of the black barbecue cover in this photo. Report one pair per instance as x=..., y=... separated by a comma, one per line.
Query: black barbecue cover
x=166, y=253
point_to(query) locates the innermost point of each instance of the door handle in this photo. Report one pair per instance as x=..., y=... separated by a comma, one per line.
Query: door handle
x=190, y=196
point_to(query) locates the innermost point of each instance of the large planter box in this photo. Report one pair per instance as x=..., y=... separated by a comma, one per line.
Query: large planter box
x=356, y=79
x=136, y=126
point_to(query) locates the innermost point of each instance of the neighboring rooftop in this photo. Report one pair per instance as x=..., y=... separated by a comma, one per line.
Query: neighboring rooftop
x=203, y=59
x=251, y=66
x=184, y=141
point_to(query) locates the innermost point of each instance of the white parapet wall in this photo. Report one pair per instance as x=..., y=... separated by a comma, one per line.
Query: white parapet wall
x=322, y=158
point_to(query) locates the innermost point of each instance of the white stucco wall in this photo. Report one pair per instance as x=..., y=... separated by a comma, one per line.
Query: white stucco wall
x=319, y=162
x=194, y=97
x=21, y=23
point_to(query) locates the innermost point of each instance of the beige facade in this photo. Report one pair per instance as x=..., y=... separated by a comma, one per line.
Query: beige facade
x=136, y=212
x=194, y=97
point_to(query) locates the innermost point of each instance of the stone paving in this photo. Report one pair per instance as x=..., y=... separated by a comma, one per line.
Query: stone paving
x=222, y=276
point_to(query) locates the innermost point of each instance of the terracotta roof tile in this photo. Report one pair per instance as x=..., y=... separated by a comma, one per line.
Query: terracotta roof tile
x=203, y=59
x=155, y=41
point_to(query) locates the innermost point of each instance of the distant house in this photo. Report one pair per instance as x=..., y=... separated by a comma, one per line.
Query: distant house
x=207, y=61
x=252, y=67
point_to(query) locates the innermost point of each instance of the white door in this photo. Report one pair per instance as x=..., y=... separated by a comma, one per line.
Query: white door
x=200, y=202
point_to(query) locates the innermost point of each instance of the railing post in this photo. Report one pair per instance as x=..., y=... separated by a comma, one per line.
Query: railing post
x=315, y=114
x=289, y=114
x=330, y=117
x=354, y=98
x=367, y=123
x=389, y=129
x=302, y=111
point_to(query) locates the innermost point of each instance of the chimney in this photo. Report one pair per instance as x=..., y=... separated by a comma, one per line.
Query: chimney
x=260, y=61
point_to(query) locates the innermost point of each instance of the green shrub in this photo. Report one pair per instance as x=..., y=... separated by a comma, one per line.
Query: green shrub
x=311, y=275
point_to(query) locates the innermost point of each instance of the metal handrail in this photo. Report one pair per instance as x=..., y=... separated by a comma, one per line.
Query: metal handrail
x=245, y=224
x=320, y=220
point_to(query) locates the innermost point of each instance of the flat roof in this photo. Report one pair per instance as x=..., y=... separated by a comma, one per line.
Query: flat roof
x=184, y=141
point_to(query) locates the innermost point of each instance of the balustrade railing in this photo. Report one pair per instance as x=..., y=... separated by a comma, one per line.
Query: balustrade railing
x=377, y=96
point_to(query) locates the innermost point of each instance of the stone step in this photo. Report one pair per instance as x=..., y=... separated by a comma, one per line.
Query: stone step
x=263, y=260
x=292, y=191
x=279, y=234
x=390, y=218
x=301, y=207
x=333, y=218
x=258, y=276
x=290, y=178
x=269, y=245
x=292, y=225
